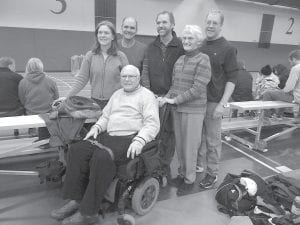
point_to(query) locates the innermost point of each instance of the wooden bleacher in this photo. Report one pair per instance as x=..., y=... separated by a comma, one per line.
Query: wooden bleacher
x=21, y=149
x=254, y=125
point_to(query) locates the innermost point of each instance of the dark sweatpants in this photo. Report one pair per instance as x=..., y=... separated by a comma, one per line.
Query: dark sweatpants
x=90, y=170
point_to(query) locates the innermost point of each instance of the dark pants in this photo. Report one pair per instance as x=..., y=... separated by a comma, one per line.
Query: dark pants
x=167, y=147
x=90, y=170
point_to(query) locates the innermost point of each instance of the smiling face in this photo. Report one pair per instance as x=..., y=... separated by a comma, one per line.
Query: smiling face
x=213, y=26
x=189, y=41
x=129, y=28
x=105, y=36
x=130, y=78
x=164, y=25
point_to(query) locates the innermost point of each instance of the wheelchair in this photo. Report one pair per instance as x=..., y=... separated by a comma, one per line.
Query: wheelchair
x=137, y=182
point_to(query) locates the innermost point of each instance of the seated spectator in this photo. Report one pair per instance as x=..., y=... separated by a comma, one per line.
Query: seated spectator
x=243, y=86
x=267, y=81
x=10, y=104
x=37, y=91
x=291, y=91
x=283, y=74
x=129, y=121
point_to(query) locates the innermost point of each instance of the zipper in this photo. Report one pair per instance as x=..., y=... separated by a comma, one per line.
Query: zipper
x=103, y=77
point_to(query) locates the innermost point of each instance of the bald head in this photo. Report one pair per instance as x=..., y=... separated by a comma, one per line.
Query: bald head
x=130, y=69
x=130, y=78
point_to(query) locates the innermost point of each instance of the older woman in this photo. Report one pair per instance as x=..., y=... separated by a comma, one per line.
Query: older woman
x=191, y=75
x=134, y=50
x=101, y=66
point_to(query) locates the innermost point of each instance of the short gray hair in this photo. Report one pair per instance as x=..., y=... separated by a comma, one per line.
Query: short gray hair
x=132, y=68
x=195, y=30
x=34, y=65
x=6, y=62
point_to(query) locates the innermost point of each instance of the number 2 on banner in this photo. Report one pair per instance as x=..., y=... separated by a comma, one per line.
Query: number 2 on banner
x=290, y=30
x=63, y=7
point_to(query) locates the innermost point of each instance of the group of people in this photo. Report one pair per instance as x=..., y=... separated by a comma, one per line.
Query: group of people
x=196, y=75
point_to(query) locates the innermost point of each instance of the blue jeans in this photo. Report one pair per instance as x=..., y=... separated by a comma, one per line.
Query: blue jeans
x=210, y=150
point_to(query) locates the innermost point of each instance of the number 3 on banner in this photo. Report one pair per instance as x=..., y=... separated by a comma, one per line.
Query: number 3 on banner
x=290, y=31
x=63, y=7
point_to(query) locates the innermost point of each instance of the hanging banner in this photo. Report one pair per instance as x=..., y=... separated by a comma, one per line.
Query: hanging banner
x=48, y=14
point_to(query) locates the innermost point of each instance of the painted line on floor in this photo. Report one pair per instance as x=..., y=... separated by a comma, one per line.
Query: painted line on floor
x=251, y=157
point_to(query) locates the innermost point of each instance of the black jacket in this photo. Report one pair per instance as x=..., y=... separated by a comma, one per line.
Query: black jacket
x=160, y=68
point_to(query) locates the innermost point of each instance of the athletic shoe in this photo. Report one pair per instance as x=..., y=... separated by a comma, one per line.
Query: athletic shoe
x=199, y=169
x=208, y=181
x=67, y=210
x=79, y=219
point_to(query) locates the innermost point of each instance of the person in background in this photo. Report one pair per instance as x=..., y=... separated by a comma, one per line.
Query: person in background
x=37, y=91
x=191, y=75
x=101, y=65
x=133, y=49
x=267, y=81
x=291, y=91
x=160, y=58
x=223, y=79
x=129, y=121
x=243, y=87
x=283, y=74
x=10, y=104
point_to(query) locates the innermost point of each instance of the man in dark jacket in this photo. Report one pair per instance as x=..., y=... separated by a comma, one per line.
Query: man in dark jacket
x=10, y=104
x=160, y=58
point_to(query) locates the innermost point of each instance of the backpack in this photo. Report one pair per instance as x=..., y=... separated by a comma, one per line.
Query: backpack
x=284, y=189
x=233, y=198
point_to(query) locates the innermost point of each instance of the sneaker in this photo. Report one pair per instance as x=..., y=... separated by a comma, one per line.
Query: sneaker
x=184, y=189
x=199, y=169
x=79, y=219
x=208, y=181
x=176, y=182
x=67, y=210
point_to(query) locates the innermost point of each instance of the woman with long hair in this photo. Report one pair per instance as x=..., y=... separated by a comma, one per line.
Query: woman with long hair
x=101, y=65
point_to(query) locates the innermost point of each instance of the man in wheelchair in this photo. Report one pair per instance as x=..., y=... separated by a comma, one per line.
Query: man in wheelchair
x=129, y=121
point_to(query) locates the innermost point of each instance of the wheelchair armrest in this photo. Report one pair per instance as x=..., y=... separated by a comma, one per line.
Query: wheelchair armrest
x=132, y=165
x=150, y=145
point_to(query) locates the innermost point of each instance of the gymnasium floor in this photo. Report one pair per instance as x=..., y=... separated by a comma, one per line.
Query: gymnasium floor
x=24, y=201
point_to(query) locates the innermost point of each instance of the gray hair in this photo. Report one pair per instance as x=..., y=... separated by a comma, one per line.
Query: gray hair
x=6, y=62
x=195, y=30
x=34, y=65
x=133, y=69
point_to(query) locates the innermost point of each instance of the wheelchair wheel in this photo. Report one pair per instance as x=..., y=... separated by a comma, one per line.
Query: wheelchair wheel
x=145, y=196
x=126, y=219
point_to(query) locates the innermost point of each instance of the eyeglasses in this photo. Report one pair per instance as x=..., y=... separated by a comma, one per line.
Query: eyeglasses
x=128, y=76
